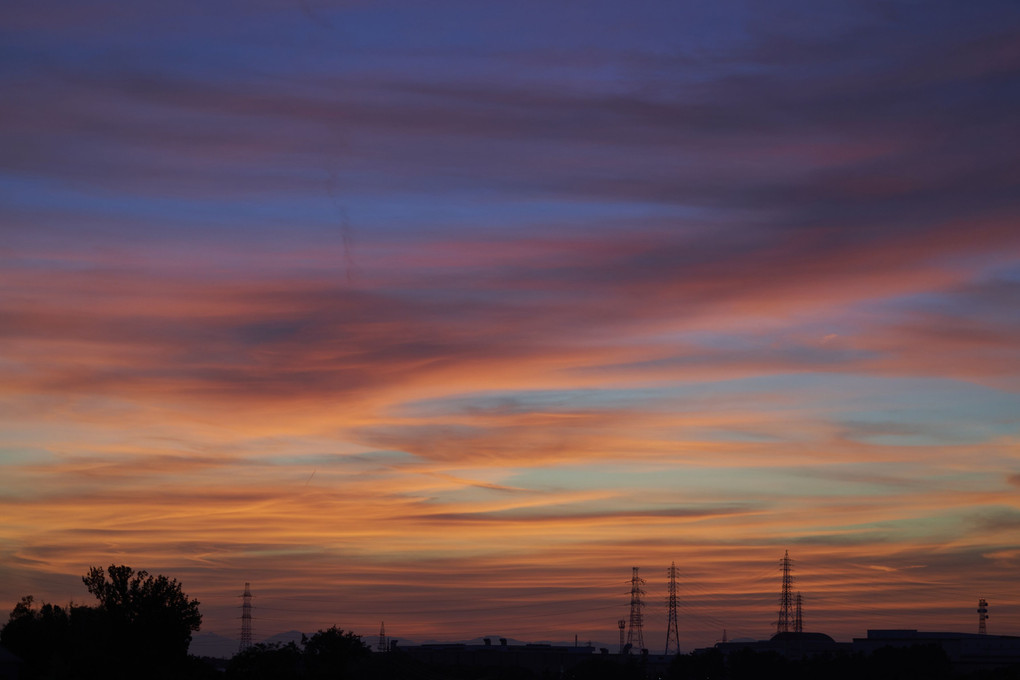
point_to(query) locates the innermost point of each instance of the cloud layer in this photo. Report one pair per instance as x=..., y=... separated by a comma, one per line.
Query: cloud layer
x=420, y=318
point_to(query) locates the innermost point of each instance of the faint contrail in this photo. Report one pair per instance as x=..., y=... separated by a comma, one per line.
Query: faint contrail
x=314, y=16
x=346, y=234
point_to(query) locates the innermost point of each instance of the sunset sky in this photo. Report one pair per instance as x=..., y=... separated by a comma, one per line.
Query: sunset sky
x=448, y=314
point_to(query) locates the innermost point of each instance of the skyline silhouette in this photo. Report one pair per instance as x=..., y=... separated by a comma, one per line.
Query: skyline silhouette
x=157, y=602
x=221, y=641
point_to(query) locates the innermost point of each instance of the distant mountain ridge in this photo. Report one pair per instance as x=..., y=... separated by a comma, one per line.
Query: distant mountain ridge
x=223, y=647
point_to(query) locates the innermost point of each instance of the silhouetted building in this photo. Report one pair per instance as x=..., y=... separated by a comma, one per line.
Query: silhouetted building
x=966, y=651
x=791, y=645
x=537, y=658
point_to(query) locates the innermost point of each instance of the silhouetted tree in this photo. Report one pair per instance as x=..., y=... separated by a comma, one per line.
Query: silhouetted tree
x=264, y=661
x=41, y=637
x=141, y=628
x=330, y=653
x=150, y=616
x=333, y=653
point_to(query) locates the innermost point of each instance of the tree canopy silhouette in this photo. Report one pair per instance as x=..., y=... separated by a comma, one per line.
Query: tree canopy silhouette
x=141, y=627
x=150, y=614
x=331, y=653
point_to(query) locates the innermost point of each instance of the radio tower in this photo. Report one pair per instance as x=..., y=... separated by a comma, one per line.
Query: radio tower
x=635, y=636
x=982, y=616
x=786, y=598
x=798, y=620
x=672, y=631
x=382, y=637
x=622, y=623
x=246, y=617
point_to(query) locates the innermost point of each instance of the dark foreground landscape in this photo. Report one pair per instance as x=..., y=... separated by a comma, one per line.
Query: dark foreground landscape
x=141, y=627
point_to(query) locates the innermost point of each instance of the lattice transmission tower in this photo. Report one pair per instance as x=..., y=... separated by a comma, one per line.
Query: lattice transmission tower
x=246, y=617
x=982, y=616
x=672, y=629
x=622, y=623
x=786, y=597
x=383, y=644
x=798, y=619
x=635, y=634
